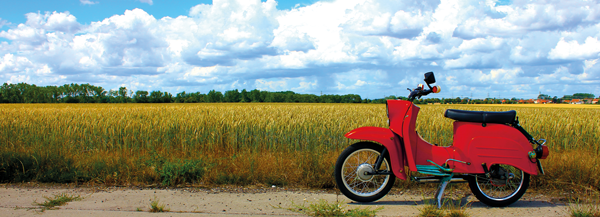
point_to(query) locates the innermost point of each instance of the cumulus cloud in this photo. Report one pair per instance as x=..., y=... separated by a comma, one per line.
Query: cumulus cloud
x=573, y=50
x=369, y=47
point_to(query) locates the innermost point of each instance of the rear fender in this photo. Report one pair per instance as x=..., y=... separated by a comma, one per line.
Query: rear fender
x=490, y=144
x=387, y=138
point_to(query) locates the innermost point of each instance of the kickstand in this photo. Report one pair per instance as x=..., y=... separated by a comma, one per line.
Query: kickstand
x=440, y=192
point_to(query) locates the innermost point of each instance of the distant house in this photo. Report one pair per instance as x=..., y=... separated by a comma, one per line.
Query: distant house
x=503, y=101
x=541, y=101
x=588, y=101
x=566, y=101
x=595, y=101
x=576, y=101
x=526, y=101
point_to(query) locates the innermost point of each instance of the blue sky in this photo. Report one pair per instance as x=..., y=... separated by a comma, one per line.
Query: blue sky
x=96, y=10
x=373, y=48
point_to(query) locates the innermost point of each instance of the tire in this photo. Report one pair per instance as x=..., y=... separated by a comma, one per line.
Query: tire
x=361, y=157
x=498, y=191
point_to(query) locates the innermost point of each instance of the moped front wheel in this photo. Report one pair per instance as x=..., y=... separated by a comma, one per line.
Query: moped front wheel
x=504, y=185
x=352, y=172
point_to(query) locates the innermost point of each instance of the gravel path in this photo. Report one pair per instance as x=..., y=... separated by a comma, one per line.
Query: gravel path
x=125, y=201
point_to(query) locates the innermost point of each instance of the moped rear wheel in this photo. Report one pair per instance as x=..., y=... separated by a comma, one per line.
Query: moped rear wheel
x=351, y=168
x=505, y=185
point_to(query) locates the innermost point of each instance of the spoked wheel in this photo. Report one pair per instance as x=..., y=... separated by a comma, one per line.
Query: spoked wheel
x=352, y=168
x=505, y=185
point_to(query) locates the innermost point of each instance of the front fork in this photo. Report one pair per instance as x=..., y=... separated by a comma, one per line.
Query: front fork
x=378, y=163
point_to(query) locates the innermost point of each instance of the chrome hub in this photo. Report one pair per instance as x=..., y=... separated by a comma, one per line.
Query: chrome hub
x=362, y=171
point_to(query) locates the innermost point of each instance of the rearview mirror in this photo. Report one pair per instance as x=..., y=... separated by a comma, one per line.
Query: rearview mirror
x=429, y=78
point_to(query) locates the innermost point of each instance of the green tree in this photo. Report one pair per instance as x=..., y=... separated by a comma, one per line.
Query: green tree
x=214, y=96
x=156, y=97
x=141, y=96
x=232, y=96
x=255, y=96
x=583, y=96
x=543, y=96
x=245, y=96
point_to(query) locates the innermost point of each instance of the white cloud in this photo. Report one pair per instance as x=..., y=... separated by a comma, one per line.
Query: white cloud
x=146, y=1
x=344, y=46
x=279, y=85
x=88, y=2
x=573, y=50
x=3, y=23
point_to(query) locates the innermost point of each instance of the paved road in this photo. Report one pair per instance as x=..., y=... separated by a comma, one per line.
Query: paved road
x=114, y=201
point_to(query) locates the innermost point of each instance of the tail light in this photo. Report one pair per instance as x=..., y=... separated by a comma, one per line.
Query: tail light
x=436, y=89
x=544, y=152
x=541, y=152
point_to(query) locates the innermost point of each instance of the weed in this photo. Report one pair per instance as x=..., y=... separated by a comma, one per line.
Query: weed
x=156, y=206
x=450, y=208
x=455, y=209
x=578, y=209
x=177, y=172
x=138, y=209
x=58, y=200
x=431, y=210
x=325, y=208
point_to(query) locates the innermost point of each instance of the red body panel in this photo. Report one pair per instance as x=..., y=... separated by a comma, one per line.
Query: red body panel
x=492, y=144
x=388, y=139
x=473, y=143
x=421, y=150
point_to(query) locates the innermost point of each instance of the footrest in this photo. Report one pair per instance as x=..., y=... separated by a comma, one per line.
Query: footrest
x=431, y=170
x=434, y=169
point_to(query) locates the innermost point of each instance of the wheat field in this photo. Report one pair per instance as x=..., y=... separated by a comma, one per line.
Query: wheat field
x=251, y=143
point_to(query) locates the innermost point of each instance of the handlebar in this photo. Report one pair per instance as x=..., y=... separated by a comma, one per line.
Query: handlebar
x=421, y=91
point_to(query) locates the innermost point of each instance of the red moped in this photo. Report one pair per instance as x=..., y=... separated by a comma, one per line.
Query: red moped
x=490, y=151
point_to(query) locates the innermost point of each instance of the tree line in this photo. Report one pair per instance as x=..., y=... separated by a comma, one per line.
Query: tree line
x=87, y=93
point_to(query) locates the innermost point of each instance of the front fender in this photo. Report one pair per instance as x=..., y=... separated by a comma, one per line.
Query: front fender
x=387, y=138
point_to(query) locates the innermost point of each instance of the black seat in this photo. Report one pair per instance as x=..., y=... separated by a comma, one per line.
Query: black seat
x=507, y=117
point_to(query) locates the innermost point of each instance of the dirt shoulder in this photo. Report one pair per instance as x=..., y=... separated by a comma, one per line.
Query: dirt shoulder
x=257, y=201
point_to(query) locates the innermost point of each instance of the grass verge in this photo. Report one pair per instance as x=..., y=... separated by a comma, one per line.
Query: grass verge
x=450, y=208
x=578, y=209
x=325, y=208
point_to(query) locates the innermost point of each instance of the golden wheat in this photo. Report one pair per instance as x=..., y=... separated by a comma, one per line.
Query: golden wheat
x=252, y=143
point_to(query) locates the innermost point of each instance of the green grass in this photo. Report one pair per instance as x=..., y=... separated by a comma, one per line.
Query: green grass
x=450, y=208
x=58, y=200
x=325, y=208
x=578, y=209
x=156, y=206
